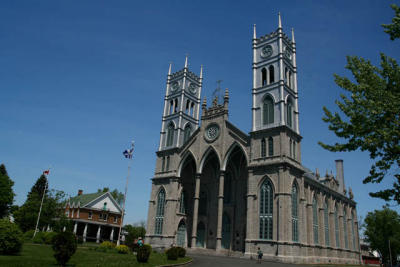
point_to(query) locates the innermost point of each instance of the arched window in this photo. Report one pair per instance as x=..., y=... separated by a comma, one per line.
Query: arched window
x=286, y=76
x=170, y=134
x=326, y=222
x=268, y=110
x=352, y=231
x=171, y=107
x=187, y=132
x=294, y=149
x=187, y=109
x=270, y=146
x=266, y=206
x=167, y=168
x=160, y=212
x=290, y=80
x=271, y=74
x=163, y=164
x=295, y=216
x=176, y=105
x=203, y=203
x=182, y=206
x=289, y=113
x=227, y=188
x=263, y=77
x=337, y=227
x=192, y=109
x=346, y=241
x=263, y=148
x=315, y=219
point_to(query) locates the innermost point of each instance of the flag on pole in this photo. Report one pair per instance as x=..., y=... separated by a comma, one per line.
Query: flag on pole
x=46, y=172
x=129, y=152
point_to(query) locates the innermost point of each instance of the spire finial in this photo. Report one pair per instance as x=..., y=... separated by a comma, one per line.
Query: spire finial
x=254, y=32
x=201, y=71
x=186, y=60
x=317, y=172
x=170, y=68
x=279, y=20
x=293, y=41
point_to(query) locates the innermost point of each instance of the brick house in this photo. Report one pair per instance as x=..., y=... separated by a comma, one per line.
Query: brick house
x=96, y=216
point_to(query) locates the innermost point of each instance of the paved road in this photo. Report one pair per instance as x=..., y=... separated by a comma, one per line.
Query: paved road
x=219, y=261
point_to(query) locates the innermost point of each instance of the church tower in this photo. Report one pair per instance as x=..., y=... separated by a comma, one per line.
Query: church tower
x=181, y=107
x=275, y=105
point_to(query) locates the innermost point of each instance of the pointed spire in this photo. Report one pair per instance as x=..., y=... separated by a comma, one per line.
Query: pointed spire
x=293, y=41
x=186, y=61
x=226, y=98
x=170, y=68
x=254, y=32
x=204, y=105
x=317, y=172
x=279, y=20
x=201, y=71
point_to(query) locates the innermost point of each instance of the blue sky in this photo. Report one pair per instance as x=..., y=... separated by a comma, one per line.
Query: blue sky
x=80, y=79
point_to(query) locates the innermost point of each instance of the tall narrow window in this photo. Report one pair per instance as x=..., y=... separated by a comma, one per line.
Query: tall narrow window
x=271, y=74
x=294, y=149
x=346, y=241
x=263, y=148
x=160, y=212
x=270, y=147
x=170, y=134
x=192, y=109
x=315, y=220
x=167, y=167
x=264, y=76
x=291, y=148
x=289, y=112
x=171, y=107
x=286, y=76
x=163, y=164
x=326, y=223
x=353, y=232
x=176, y=105
x=290, y=80
x=266, y=206
x=187, y=132
x=187, y=110
x=182, y=208
x=295, y=216
x=337, y=227
x=268, y=110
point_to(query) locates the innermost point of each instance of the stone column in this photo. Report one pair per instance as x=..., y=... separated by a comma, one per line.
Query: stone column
x=195, y=209
x=112, y=234
x=220, y=209
x=98, y=234
x=85, y=233
x=75, y=227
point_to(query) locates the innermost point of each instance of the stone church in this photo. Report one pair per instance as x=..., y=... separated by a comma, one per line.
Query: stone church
x=217, y=189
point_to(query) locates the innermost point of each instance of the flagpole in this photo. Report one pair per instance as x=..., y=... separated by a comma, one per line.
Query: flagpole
x=40, y=209
x=126, y=190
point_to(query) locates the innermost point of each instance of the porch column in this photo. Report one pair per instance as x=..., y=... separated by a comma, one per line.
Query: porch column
x=220, y=208
x=112, y=234
x=195, y=209
x=48, y=228
x=75, y=227
x=85, y=233
x=98, y=234
x=64, y=228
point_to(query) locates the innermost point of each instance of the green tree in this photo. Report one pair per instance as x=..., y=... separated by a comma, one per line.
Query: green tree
x=6, y=192
x=117, y=195
x=371, y=119
x=394, y=29
x=26, y=215
x=382, y=227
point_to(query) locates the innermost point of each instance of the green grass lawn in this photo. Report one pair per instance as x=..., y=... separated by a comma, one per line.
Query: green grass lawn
x=42, y=255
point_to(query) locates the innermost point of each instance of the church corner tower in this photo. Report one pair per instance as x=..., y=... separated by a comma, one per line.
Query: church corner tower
x=275, y=116
x=181, y=107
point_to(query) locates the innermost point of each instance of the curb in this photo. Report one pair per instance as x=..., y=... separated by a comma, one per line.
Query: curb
x=177, y=264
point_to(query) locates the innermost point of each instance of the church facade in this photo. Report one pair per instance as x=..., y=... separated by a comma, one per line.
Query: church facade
x=219, y=190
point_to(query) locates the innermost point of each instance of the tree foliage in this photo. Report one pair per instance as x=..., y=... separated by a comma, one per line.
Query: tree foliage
x=382, y=227
x=6, y=192
x=26, y=215
x=117, y=195
x=394, y=29
x=371, y=119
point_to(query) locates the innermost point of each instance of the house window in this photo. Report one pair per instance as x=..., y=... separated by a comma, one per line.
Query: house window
x=170, y=134
x=90, y=215
x=115, y=219
x=270, y=146
x=105, y=215
x=263, y=148
x=268, y=110
x=326, y=221
x=266, y=206
x=67, y=213
x=337, y=227
x=72, y=214
x=105, y=206
x=160, y=212
x=295, y=216
x=315, y=220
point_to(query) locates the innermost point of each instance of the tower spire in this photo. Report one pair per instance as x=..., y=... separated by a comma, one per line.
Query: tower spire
x=170, y=68
x=279, y=20
x=186, y=61
x=201, y=71
x=254, y=31
x=293, y=41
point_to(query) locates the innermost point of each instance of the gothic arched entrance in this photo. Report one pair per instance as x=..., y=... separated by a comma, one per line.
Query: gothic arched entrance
x=181, y=235
x=201, y=232
x=226, y=232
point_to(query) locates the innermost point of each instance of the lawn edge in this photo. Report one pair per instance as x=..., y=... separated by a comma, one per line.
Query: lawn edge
x=175, y=264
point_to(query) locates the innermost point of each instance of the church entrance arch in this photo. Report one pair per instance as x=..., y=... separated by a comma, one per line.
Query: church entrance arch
x=226, y=232
x=201, y=232
x=181, y=235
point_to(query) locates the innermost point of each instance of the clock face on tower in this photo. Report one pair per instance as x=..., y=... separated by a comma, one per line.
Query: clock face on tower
x=212, y=132
x=192, y=88
x=266, y=51
x=174, y=86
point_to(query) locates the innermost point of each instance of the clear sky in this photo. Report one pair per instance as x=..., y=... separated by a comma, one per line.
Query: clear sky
x=80, y=79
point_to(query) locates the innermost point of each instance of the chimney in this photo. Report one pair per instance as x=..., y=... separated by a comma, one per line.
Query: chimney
x=340, y=175
x=80, y=191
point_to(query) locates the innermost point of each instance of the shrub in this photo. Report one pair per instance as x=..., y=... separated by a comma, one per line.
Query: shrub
x=64, y=246
x=107, y=245
x=172, y=253
x=143, y=253
x=39, y=238
x=122, y=249
x=80, y=240
x=11, y=238
x=28, y=235
x=181, y=252
x=48, y=237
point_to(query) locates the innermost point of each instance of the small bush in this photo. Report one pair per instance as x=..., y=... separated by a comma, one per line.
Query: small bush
x=172, y=253
x=39, y=238
x=28, y=235
x=11, y=238
x=107, y=244
x=181, y=252
x=64, y=246
x=122, y=249
x=48, y=237
x=143, y=253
